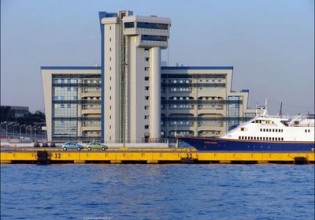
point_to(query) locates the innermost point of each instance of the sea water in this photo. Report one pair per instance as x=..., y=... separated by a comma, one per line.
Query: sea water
x=141, y=191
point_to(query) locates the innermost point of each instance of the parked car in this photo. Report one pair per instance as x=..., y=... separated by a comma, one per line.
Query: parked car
x=72, y=145
x=36, y=144
x=96, y=145
x=48, y=144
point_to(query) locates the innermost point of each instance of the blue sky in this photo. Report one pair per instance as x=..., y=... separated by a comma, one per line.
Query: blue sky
x=270, y=44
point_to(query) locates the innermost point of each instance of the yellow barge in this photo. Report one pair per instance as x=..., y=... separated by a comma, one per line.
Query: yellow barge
x=151, y=156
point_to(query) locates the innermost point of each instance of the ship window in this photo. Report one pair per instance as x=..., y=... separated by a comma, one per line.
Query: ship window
x=242, y=129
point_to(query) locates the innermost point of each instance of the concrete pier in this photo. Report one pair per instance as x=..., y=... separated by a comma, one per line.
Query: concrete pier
x=150, y=156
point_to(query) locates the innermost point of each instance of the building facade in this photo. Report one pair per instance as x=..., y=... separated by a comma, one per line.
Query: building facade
x=131, y=70
x=131, y=98
x=198, y=101
x=72, y=97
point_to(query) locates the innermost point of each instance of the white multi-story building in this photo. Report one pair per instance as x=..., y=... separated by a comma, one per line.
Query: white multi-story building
x=132, y=76
x=131, y=98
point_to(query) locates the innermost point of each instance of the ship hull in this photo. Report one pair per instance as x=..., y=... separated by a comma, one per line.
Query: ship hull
x=219, y=144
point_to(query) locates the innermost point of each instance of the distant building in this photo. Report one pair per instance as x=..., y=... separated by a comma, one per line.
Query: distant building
x=131, y=98
x=17, y=111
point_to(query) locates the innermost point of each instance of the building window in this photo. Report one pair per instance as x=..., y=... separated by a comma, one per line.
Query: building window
x=147, y=59
x=129, y=24
x=146, y=127
x=153, y=38
x=146, y=68
x=152, y=25
x=146, y=78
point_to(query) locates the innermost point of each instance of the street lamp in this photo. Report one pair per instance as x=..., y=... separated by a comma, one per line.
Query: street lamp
x=2, y=123
x=35, y=132
x=31, y=131
x=13, y=128
x=6, y=129
x=21, y=130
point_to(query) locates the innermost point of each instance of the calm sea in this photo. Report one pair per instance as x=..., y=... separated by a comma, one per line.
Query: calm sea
x=129, y=191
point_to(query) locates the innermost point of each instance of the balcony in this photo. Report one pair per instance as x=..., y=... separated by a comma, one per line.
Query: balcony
x=91, y=94
x=91, y=111
x=91, y=128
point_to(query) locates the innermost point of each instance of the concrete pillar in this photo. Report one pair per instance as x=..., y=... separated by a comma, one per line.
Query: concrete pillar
x=155, y=93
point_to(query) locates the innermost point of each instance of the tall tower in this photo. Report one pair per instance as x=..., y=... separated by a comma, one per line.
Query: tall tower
x=131, y=76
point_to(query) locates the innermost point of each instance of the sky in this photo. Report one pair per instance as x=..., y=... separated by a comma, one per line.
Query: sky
x=270, y=44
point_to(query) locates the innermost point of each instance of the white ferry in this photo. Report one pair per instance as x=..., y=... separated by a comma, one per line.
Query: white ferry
x=263, y=133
